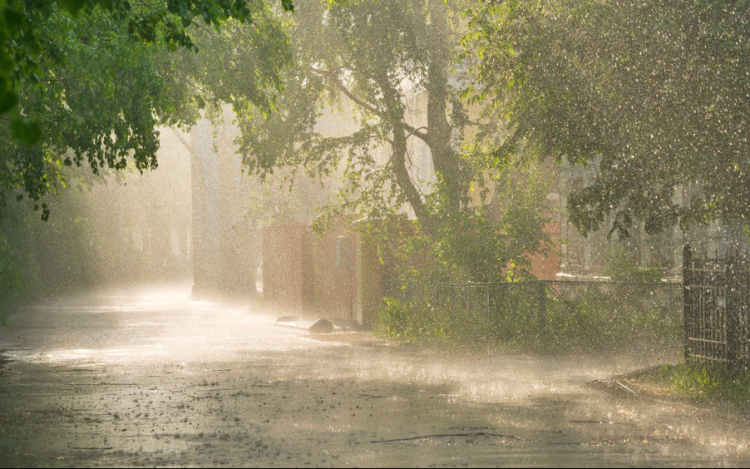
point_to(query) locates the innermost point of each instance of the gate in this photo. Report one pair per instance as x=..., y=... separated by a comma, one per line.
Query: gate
x=716, y=309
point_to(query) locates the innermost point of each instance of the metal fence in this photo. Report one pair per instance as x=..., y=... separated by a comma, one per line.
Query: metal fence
x=538, y=309
x=717, y=309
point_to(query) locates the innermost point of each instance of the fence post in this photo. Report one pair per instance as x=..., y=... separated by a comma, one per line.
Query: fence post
x=542, y=314
x=489, y=309
x=687, y=264
x=732, y=310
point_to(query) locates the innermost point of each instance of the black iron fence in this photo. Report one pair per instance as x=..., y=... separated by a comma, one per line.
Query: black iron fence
x=553, y=310
x=717, y=309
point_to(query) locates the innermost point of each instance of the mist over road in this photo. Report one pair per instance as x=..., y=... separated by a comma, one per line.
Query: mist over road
x=146, y=377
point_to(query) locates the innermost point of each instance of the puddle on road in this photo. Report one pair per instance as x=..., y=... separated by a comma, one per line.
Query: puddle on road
x=148, y=327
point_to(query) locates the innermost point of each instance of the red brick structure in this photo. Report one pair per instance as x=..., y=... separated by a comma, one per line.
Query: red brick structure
x=547, y=266
x=288, y=267
x=334, y=275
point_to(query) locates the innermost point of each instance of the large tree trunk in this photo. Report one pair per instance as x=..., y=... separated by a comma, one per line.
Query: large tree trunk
x=401, y=173
x=439, y=136
x=394, y=115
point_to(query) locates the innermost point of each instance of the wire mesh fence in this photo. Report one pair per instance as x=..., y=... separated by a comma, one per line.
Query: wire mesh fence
x=552, y=310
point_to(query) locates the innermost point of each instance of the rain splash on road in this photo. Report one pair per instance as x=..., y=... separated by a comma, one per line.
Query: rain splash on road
x=148, y=377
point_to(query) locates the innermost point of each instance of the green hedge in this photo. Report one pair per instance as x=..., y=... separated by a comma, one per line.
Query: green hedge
x=610, y=316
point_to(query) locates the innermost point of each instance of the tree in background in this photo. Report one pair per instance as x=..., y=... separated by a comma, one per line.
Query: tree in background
x=370, y=59
x=491, y=243
x=367, y=55
x=87, y=82
x=118, y=228
x=49, y=257
x=9, y=278
x=84, y=86
x=656, y=93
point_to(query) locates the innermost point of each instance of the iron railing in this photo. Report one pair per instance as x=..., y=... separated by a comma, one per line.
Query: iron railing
x=717, y=309
x=545, y=308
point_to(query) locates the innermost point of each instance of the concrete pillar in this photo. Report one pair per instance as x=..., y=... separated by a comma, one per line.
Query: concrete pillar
x=206, y=227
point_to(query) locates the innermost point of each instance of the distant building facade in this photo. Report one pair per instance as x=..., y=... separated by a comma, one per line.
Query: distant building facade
x=225, y=253
x=586, y=257
x=335, y=275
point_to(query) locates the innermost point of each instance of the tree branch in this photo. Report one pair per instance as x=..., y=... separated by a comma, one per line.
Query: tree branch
x=334, y=79
x=403, y=179
x=183, y=141
x=66, y=78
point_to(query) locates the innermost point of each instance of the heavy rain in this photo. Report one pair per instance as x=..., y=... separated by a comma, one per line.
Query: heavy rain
x=328, y=233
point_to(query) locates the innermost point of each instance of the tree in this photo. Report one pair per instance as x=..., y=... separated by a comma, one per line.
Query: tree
x=87, y=82
x=656, y=93
x=367, y=54
x=372, y=59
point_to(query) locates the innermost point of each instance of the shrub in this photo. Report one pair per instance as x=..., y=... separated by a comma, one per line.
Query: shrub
x=535, y=315
x=410, y=322
x=706, y=383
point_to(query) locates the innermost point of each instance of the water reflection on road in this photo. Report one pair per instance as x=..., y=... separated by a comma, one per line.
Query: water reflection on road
x=148, y=377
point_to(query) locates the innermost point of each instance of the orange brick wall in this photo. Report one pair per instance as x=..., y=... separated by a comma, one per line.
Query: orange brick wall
x=335, y=273
x=287, y=267
x=331, y=275
x=545, y=268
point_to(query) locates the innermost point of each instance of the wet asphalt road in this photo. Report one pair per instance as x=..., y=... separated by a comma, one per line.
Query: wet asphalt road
x=148, y=378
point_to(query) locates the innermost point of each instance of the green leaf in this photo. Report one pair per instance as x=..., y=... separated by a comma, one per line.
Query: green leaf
x=8, y=100
x=73, y=6
x=288, y=5
x=25, y=131
x=13, y=18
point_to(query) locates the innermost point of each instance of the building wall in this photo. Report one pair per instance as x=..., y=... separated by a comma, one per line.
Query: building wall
x=205, y=193
x=335, y=275
x=587, y=257
x=288, y=282
x=547, y=266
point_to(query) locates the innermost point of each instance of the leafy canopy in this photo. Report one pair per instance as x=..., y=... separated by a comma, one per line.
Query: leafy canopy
x=655, y=92
x=369, y=58
x=89, y=81
x=394, y=67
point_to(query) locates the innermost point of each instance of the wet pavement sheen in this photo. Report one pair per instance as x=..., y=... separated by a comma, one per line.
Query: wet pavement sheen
x=146, y=377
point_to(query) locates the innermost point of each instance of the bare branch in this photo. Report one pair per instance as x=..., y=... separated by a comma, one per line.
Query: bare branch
x=331, y=75
x=66, y=78
x=183, y=141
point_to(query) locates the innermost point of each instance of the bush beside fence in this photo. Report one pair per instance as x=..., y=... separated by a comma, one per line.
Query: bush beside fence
x=546, y=314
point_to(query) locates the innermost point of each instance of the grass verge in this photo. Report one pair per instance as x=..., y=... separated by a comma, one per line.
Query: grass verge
x=693, y=381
